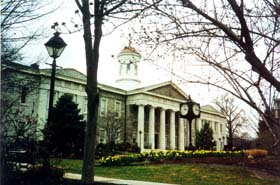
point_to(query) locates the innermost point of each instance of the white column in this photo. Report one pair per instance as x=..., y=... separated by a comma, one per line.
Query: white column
x=198, y=123
x=181, y=134
x=162, y=130
x=187, y=134
x=152, y=127
x=172, y=130
x=140, y=129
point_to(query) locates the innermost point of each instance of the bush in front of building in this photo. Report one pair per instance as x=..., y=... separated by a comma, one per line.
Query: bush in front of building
x=254, y=153
x=120, y=160
x=103, y=150
x=160, y=156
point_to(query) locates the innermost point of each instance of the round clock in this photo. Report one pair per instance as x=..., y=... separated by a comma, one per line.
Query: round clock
x=184, y=109
x=196, y=109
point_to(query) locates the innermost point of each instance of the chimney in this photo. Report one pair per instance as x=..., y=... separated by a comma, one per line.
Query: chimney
x=34, y=66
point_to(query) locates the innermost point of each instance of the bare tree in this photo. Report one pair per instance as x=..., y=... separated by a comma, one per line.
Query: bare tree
x=112, y=126
x=101, y=12
x=241, y=26
x=16, y=18
x=221, y=34
x=243, y=34
x=19, y=90
x=235, y=118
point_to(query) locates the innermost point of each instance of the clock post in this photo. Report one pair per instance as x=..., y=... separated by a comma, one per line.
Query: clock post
x=190, y=110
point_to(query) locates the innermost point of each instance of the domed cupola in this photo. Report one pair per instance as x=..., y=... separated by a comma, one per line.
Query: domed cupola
x=128, y=60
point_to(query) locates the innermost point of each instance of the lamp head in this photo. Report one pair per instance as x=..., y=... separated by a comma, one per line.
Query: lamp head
x=55, y=46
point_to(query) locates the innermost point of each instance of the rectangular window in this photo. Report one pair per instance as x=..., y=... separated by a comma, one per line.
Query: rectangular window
x=56, y=97
x=221, y=127
x=85, y=106
x=24, y=91
x=117, y=136
x=102, y=136
x=216, y=126
x=103, y=107
x=118, y=109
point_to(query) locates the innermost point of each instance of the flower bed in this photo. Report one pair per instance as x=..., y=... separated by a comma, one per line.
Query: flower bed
x=156, y=156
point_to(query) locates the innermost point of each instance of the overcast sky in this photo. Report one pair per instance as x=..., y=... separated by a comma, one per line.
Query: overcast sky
x=150, y=72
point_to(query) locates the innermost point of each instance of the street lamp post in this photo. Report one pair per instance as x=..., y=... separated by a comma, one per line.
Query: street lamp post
x=190, y=110
x=140, y=142
x=55, y=47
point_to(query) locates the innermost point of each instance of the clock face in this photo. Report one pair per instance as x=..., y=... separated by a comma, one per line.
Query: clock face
x=184, y=109
x=196, y=109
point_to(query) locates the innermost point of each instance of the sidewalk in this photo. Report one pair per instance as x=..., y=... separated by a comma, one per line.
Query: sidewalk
x=113, y=181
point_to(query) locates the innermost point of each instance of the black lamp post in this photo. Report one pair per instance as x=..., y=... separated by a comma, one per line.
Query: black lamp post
x=190, y=110
x=55, y=47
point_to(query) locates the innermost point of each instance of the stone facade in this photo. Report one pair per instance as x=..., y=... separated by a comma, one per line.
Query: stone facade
x=19, y=97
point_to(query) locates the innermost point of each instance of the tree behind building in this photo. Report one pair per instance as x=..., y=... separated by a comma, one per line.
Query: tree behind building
x=204, y=138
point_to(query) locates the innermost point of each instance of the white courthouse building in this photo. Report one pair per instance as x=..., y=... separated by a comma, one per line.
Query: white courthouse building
x=149, y=115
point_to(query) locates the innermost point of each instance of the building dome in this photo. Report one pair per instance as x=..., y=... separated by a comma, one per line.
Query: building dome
x=129, y=50
x=128, y=60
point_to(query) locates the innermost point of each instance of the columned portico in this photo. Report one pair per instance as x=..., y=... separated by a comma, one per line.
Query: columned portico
x=157, y=120
x=152, y=138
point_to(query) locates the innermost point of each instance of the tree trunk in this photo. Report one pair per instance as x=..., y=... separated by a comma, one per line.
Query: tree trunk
x=230, y=135
x=92, y=58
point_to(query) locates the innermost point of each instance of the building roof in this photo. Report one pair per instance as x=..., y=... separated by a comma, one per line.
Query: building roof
x=129, y=49
x=212, y=110
x=166, y=90
x=33, y=69
x=67, y=72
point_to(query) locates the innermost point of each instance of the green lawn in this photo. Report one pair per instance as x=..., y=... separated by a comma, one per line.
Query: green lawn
x=190, y=174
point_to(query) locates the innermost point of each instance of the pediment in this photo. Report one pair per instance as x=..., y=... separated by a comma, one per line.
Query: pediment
x=210, y=108
x=68, y=72
x=73, y=73
x=170, y=91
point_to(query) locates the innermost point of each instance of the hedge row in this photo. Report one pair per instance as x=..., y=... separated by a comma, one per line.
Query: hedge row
x=119, y=160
